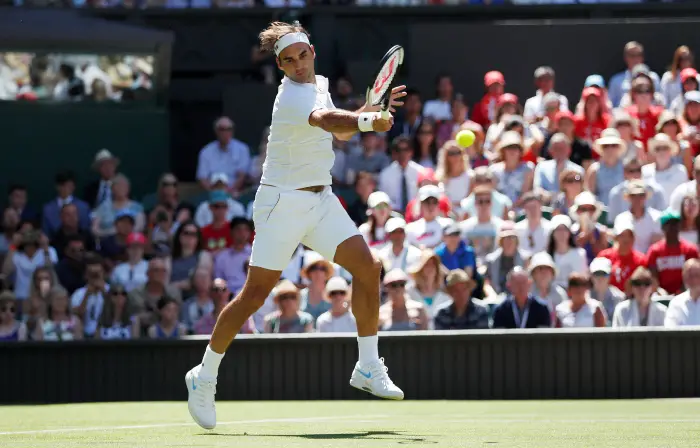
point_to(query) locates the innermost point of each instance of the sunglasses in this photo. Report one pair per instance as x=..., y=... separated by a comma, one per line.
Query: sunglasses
x=643, y=91
x=189, y=233
x=169, y=184
x=640, y=283
x=586, y=209
x=290, y=296
x=317, y=268
x=337, y=293
x=483, y=201
x=573, y=180
x=635, y=170
x=601, y=274
x=224, y=128
x=218, y=288
x=430, y=201
x=396, y=285
x=219, y=206
x=11, y=309
x=663, y=148
x=579, y=285
x=119, y=293
x=454, y=153
x=403, y=149
x=610, y=146
x=381, y=206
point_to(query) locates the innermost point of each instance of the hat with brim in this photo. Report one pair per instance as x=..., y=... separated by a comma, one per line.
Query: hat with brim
x=457, y=276
x=377, y=198
x=506, y=230
x=540, y=260
x=395, y=275
x=429, y=191
x=29, y=237
x=560, y=220
x=394, y=224
x=585, y=198
x=637, y=187
x=623, y=225
x=313, y=259
x=669, y=215
x=665, y=118
x=425, y=257
x=509, y=138
x=661, y=140
x=609, y=136
x=337, y=284
x=104, y=155
x=284, y=287
x=601, y=265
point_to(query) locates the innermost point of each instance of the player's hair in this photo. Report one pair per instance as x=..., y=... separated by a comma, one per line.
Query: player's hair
x=275, y=31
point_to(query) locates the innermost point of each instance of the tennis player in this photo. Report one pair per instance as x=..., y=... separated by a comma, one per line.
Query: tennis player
x=294, y=204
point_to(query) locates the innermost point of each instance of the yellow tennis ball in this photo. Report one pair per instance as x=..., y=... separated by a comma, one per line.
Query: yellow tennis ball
x=465, y=138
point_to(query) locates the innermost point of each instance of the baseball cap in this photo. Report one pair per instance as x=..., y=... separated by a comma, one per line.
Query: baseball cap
x=494, y=77
x=336, y=284
x=544, y=71
x=622, y=225
x=560, y=220
x=507, y=229
x=636, y=187
x=393, y=224
x=594, y=81
x=542, y=259
x=601, y=265
x=135, y=238
x=376, y=198
x=428, y=174
x=452, y=229
x=640, y=69
x=669, y=215
x=124, y=214
x=218, y=196
x=429, y=191
x=219, y=177
x=507, y=98
x=395, y=275
x=591, y=91
x=692, y=96
x=457, y=276
x=688, y=73
x=564, y=114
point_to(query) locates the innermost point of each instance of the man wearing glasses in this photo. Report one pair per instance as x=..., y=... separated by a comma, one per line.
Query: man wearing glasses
x=225, y=154
x=616, y=200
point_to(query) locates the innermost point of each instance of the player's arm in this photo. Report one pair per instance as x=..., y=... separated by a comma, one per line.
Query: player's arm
x=342, y=122
x=397, y=93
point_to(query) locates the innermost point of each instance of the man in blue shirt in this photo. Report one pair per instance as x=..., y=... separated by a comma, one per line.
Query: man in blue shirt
x=521, y=309
x=456, y=254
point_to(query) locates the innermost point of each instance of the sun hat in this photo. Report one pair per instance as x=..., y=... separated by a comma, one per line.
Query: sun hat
x=585, y=198
x=313, y=258
x=662, y=140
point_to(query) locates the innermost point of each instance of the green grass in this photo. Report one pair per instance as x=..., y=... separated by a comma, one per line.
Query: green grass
x=529, y=424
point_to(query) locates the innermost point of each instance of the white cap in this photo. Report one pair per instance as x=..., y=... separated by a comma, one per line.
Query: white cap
x=219, y=177
x=541, y=259
x=601, y=265
x=623, y=224
x=378, y=197
x=336, y=284
x=560, y=220
x=429, y=191
x=394, y=223
x=395, y=275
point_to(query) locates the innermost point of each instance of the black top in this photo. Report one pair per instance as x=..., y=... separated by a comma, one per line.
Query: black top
x=535, y=315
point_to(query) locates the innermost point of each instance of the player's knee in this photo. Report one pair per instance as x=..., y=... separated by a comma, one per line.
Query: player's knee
x=254, y=296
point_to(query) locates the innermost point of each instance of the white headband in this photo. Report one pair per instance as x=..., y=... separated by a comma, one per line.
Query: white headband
x=289, y=39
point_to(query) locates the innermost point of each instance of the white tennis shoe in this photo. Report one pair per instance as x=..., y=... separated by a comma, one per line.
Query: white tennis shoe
x=201, y=399
x=373, y=378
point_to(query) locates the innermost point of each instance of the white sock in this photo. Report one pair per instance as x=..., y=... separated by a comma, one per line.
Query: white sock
x=210, y=364
x=369, y=349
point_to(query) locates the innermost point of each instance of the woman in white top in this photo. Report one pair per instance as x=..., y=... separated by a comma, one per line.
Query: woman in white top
x=580, y=310
x=667, y=174
x=60, y=324
x=671, y=80
x=567, y=257
x=640, y=310
x=689, y=218
x=453, y=172
x=428, y=279
x=379, y=212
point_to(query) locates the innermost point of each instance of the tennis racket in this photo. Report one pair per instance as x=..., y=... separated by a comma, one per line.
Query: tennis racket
x=379, y=93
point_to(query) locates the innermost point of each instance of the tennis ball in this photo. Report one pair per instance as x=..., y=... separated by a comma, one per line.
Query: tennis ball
x=465, y=138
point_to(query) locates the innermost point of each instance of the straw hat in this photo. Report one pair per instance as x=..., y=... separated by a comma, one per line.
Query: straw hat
x=284, y=287
x=506, y=230
x=665, y=118
x=636, y=187
x=509, y=138
x=457, y=276
x=425, y=257
x=609, y=136
x=395, y=275
x=586, y=198
x=662, y=140
x=314, y=258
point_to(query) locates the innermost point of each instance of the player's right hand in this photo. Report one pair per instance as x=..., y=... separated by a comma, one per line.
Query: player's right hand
x=381, y=125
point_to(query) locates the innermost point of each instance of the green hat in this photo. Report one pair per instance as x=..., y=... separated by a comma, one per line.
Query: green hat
x=668, y=215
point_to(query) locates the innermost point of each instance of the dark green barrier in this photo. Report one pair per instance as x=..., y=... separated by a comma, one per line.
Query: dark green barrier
x=478, y=365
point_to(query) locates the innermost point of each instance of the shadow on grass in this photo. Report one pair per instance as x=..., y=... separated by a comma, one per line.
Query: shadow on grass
x=396, y=436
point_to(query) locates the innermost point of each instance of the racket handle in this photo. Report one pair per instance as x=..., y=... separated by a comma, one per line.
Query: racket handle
x=386, y=115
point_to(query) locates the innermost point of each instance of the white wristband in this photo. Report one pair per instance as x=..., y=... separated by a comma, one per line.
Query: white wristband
x=364, y=122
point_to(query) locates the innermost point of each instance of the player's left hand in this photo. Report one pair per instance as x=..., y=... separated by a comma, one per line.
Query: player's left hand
x=396, y=93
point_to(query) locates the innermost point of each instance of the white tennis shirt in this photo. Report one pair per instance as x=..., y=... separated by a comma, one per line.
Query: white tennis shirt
x=298, y=155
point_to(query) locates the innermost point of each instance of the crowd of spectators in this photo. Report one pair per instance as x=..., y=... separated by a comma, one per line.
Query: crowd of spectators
x=579, y=212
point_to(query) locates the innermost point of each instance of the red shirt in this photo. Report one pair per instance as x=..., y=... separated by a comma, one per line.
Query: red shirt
x=444, y=206
x=647, y=122
x=216, y=239
x=484, y=112
x=622, y=267
x=590, y=131
x=668, y=262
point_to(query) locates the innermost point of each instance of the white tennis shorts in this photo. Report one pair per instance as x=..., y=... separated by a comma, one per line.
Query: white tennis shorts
x=284, y=218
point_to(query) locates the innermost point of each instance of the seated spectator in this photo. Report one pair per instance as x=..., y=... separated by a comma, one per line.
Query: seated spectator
x=593, y=118
x=480, y=230
x=514, y=175
x=224, y=155
x=453, y=172
x=113, y=247
x=663, y=171
x=520, y=309
x=643, y=107
x=604, y=174
x=588, y=232
x=551, y=106
x=620, y=82
x=132, y=273
x=201, y=303
x=618, y=205
x=690, y=120
x=484, y=112
x=455, y=253
x=508, y=118
x=438, y=109
x=580, y=310
x=475, y=152
x=51, y=214
x=690, y=83
x=562, y=248
x=378, y=213
x=623, y=258
x=684, y=309
x=544, y=81
x=60, y=323
x=187, y=255
x=640, y=310
x=628, y=128
x=504, y=259
x=670, y=126
x=115, y=322
x=428, y=277
x=401, y=312
x=641, y=72
x=581, y=153
x=105, y=214
x=397, y=253
x=338, y=319
x=400, y=179
x=218, y=182
x=570, y=186
x=609, y=296
x=231, y=264
x=672, y=80
x=17, y=199
x=317, y=271
x=256, y=163
x=689, y=219
x=409, y=118
x=463, y=311
x=87, y=302
x=413, y=209
x=690, y=187
x=217, y=235
x=43, y=281
x=143, y=301
x=70, y=270
x=543, y=271
x=70, y=227
x=32, y=251
x=644, y=219
x=220, y=297
x=288, y=318
x=99, y=191
x=666, y=258
x=427, y=231
x=372, y=159
x=534, y=229
x=547, y=172
x=447, y=129
x=167, y=326
x=500, y=204
x=365, y=184
x=11, y=329
x=10, y=224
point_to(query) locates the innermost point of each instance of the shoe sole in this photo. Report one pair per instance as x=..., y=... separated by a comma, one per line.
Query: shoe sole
x=188, y=382
x=369, y=391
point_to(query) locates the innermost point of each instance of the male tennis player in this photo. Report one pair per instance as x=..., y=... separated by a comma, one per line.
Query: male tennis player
x=293, y=204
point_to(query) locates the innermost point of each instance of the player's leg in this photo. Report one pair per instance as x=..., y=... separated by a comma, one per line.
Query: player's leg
x=336, y=237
